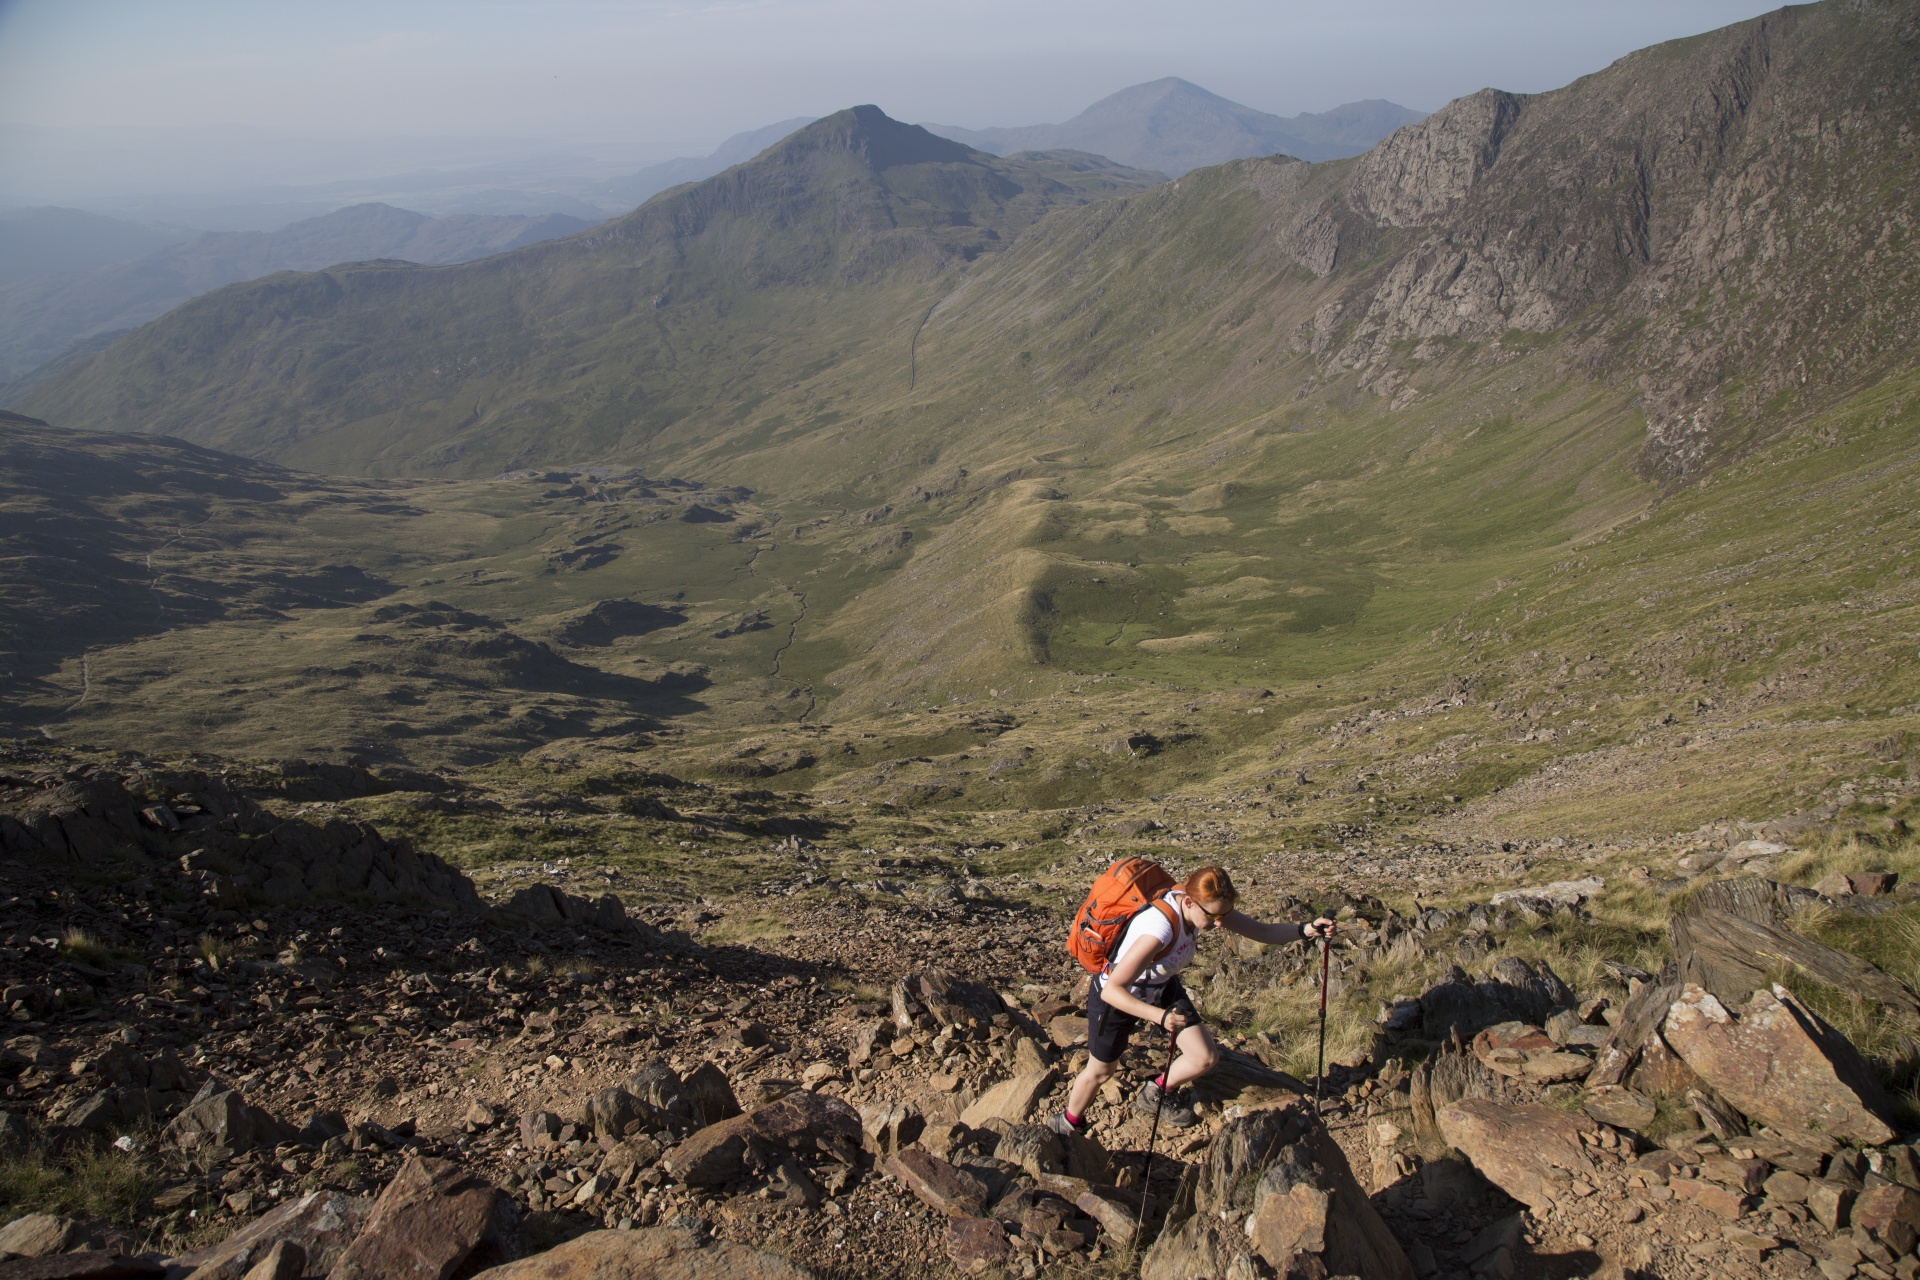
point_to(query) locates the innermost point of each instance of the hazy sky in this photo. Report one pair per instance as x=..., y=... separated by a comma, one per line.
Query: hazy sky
x=641, y=80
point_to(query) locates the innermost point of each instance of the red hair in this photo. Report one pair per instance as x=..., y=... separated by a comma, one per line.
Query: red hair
x=1212, y=884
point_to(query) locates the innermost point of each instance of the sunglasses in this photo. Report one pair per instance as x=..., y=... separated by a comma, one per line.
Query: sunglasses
x=1210, y=915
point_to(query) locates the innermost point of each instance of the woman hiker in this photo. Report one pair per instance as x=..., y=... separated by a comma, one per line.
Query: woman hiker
x=1139, y=985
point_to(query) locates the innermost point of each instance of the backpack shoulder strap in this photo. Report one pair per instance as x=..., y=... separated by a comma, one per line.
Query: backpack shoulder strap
x=1173, y=918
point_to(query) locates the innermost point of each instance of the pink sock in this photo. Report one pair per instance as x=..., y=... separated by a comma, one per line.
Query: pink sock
x=1073, y=1119
x=1161, y=1082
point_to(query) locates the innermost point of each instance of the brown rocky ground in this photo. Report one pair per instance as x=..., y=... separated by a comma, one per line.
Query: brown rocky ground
x=202, y=1037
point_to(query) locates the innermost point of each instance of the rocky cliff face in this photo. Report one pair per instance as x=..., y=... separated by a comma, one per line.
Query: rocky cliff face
x=1722, y=210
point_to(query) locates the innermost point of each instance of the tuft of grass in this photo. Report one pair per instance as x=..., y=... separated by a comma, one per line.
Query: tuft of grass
x=86, y=1181
x=749, y=928
x=77, y=944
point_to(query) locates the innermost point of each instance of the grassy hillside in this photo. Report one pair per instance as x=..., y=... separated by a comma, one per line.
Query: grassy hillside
x=1548, y=467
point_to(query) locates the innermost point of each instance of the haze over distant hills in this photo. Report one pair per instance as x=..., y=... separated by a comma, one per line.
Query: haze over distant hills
x=637, y=188
x=43, y=315
x=1172, y=126
x=39, y=241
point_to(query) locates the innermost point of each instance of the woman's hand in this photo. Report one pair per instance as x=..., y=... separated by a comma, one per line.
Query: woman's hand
x=1175, y=1021
x=1321, y=928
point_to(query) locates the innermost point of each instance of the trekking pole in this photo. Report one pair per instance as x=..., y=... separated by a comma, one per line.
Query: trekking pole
x=1146, y=1165
x=1320, y=1056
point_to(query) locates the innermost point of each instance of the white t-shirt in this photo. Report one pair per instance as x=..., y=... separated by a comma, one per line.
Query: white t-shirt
x=1153, y=923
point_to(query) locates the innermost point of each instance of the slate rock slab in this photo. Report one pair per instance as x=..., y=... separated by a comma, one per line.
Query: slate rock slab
x=435, y=1219
x=322, y=1224
x=1531, y=1152
x=1777, y=1063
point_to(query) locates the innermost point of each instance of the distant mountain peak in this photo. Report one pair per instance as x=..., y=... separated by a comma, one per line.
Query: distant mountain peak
x=1172, y=125
x=875, y=136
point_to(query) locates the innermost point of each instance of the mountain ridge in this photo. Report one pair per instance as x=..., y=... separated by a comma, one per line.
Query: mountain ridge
x=1172, y=125
x=43, y=315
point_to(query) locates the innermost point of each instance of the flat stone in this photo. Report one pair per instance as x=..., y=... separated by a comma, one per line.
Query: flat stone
x=1067, y=1030
x=1621, y=1108
x=800, y=1121
x=1783, y=1186
x=1751, y=1245
x=1779, y=1064
x=1273, y=1194
x=1114, y=1215
x=433, y=1220
x=655, y=1253
x=977, y=1244
x=1746, y=1176
x=285, y=1261
x=1011, y=1100
x=938, y=1184
x=225, y=1119
x=1554, y=1068
x=1711, y=1196
x=38, y=1234
x=711, y=1156
x=1531, y=1152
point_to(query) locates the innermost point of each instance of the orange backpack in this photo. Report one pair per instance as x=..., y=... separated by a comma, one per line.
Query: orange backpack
x=1119, y=893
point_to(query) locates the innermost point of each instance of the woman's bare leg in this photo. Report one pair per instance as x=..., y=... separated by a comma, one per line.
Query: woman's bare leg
x=1198, y=1055
x=1087, y=1083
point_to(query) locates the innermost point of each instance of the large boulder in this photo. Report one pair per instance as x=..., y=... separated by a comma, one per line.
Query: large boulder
x=1778, y=1063
x=799, y=1124
x=1733, y=955
x=433, y=1221
x=949, y=1001
x=1276, y=1185
x=941, y=1186
x=322, y=1225
x=1531, y=1152
x=222, y=1119
x=657, y=1253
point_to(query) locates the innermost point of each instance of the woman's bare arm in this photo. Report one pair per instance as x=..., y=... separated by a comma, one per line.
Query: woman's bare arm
x=1275, y=931
x=1278, y=931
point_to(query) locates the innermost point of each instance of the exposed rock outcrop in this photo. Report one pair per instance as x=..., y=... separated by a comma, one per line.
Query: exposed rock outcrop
x=1778, y=1063
x=1276, y=1185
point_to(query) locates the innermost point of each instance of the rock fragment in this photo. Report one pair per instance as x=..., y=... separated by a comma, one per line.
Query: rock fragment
x=1531, y=1152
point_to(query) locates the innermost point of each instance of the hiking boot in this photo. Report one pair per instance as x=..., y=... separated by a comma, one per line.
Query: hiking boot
x=1067, y=1128
x=1175, y=1106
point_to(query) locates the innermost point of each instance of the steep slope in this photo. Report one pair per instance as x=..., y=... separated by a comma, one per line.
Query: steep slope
x=42, y=316
x=1362, y=433
x=1172, y=126
x=39, y=241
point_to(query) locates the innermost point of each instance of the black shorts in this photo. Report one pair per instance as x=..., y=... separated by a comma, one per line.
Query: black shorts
x=1108, y=1029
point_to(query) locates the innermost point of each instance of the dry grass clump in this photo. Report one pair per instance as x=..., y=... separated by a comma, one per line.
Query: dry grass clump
x=85, y=1181
x=77, y=944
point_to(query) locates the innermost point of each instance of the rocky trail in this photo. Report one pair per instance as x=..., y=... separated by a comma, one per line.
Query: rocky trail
x=252, y=1045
